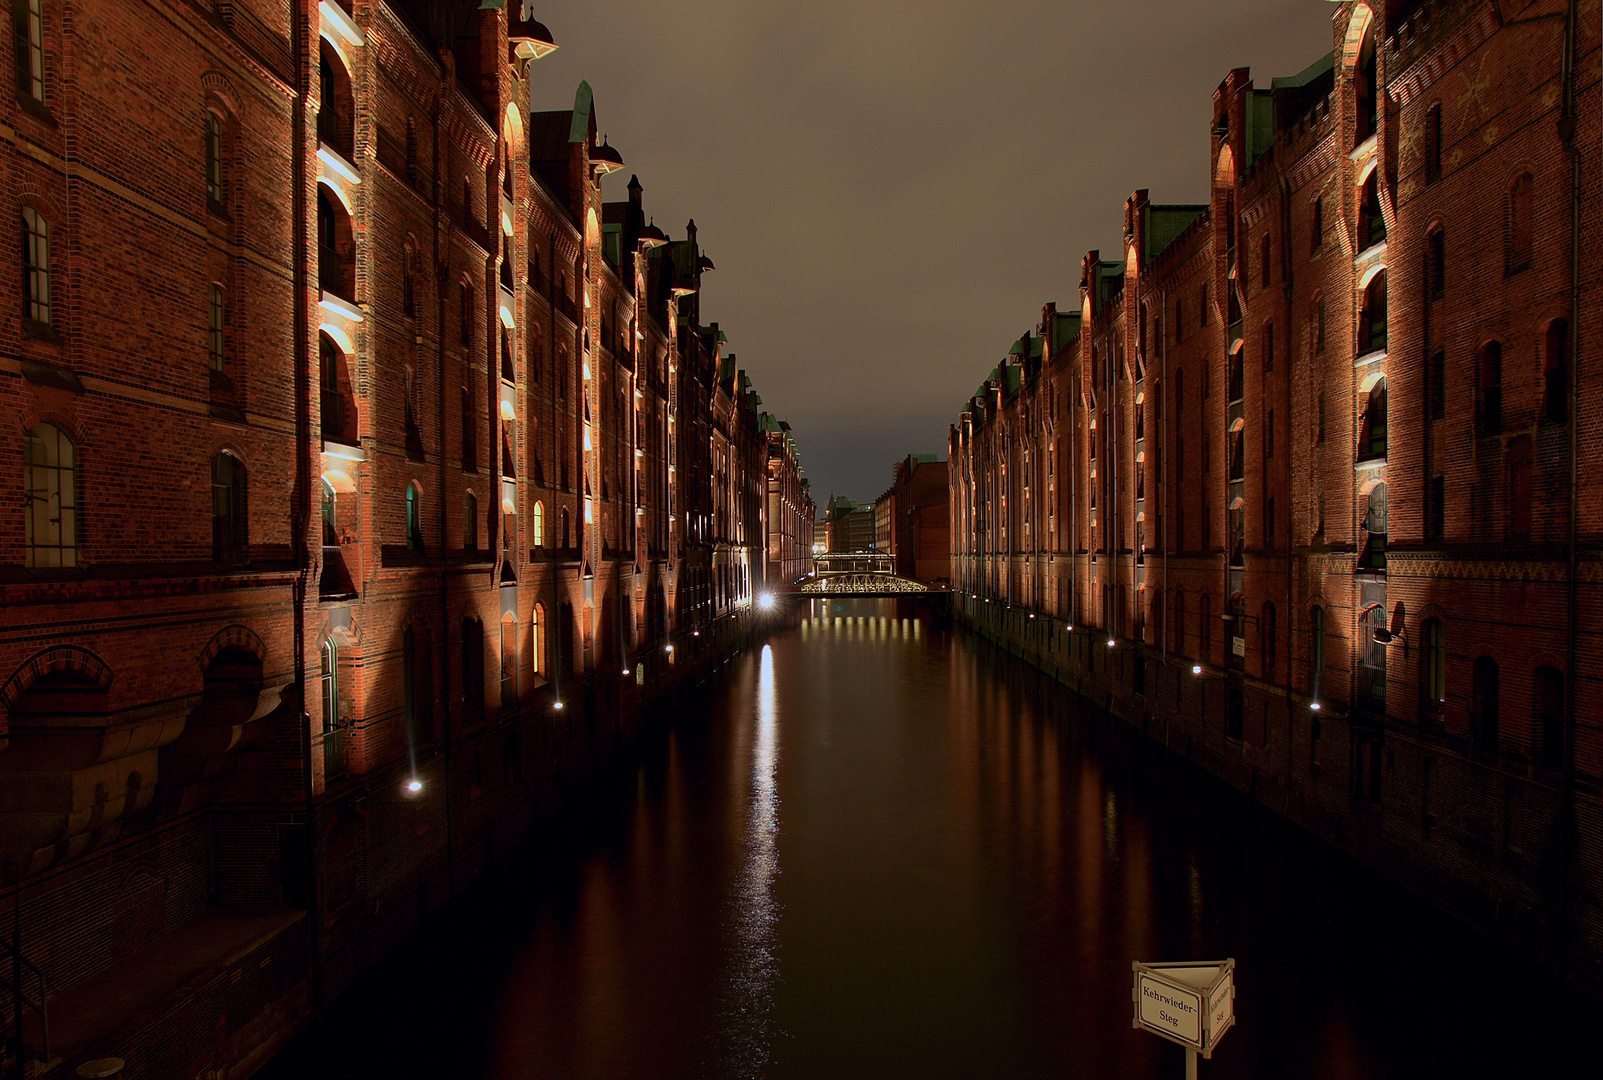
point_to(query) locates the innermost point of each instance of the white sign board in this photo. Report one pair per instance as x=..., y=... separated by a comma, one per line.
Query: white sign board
x=1238, y=645
x=1191, y=1004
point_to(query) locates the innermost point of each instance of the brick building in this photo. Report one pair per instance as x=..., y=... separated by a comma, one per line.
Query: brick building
x=360, y=446
x=789, y=512
x=1302, y=480
x=911, y=520
x=849, y=526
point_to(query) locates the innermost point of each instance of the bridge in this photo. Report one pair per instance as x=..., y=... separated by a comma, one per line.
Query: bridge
x=858, y=574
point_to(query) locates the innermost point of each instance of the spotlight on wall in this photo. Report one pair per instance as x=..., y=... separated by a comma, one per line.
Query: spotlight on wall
x=1316, y=706
x=1196, y=669
x=667, y=648
x=414, y=785
x=557, y=705
x=1111, y=643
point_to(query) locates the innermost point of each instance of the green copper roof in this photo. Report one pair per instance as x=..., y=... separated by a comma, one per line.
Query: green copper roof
x=583, y=101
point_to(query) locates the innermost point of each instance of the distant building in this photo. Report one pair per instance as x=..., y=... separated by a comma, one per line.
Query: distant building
x=910, y=519
x=850, y=526
x=788, y=515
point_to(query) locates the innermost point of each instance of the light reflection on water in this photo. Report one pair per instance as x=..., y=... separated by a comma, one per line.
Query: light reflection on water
x=969, y=866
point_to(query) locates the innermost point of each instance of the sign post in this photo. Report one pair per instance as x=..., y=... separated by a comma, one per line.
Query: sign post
x=1191, y=1004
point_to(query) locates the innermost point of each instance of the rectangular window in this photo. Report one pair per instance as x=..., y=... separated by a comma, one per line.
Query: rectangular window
x=1436, y=263
x=1433, y=143
x=27, y=23
x=1316, y=230
x=36, y=266
x=470, y=433
x=1435, y=508
x=214, y=159
x=217, y=334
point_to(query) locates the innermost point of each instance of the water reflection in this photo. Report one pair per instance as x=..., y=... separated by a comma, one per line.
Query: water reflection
x=969, y=866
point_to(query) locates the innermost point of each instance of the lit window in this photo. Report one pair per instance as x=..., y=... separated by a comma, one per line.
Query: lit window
x=214, y=159
x=35, y=266
x=216, y=330
x=50, y=477
x=538, y=537
x=414, y=521
x=28, y=30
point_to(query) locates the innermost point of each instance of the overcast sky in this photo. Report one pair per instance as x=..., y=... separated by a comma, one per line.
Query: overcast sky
x=892, y=190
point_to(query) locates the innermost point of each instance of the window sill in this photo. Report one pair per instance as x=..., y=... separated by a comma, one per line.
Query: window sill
x=1364, y=148
x=1374, y=356
x=1369, y=463
x=1370, y=253
x=34, y=330
x=37, y=108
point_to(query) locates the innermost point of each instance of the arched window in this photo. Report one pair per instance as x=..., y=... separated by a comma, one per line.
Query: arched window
x=1316, y=675
x=336, y=113
x=217, y=330
x=538, y=538
x=1519, y=489
x=509, y=660
x=49, y=462
x=1372, y=317
x=328, y=679
x=1436, y=263
x=1374, y=553
x=1483, y=705
x=1373, y=444
x=465, y=315
x=330, y=532
x=1547, y=712
x=216, y=178
x=409, y=282
x=1371, y=222
x=472, y=669
x=35, y=268
x=28, y=33
x=229, y=518
x=338, y=403
x=1556, y=372
x=1268, y=639
x=1518, y=242
x=1365, y=88
x=1433, y=662
x=1489, y=395
x=537, y=639
x=470, y=521
x=336, y=249
x=414, y=518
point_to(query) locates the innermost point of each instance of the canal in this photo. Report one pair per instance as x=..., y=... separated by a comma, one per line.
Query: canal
x=875, y=848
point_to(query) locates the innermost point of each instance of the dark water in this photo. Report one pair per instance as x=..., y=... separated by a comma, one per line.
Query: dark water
x=883, y=850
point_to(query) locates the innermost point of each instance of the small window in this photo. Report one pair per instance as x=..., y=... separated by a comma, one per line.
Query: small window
x=509, y=660
x=1316, y=674
x=1374, y=440
x=473, y=668
x=470, y=433
x=1433, y=660
x=1483, y=705
x=1519, y=238
x=27, y=24
x=1316, y=226
x=409, y=282
x=1436, y=263
x=1436, y=507
x=414, y=518
x=228, y=509
x=1366, y=88
x=328, y=679
x=1269, y=346
x=49, y=462
x=1547, y=709
x=1372, y=319
x=1433, y=143
x=35, y=266
x=1179, y=320
x=1489, y=396
x=1371, y=221
x=538, y=537
x=465, y=329
x=217, y=330
x=1556, y=373
x=470, y=521
x=215, y=178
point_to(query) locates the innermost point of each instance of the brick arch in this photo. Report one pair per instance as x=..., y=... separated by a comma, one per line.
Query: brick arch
x=42, y=202
x=32, y=418
x=48, y=661
x=228, y=446
x=233, y=637
x=1357, y=26
x=217, y=86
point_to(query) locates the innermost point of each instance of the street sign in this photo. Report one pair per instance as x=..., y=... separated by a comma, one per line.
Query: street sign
x=1192, y=1004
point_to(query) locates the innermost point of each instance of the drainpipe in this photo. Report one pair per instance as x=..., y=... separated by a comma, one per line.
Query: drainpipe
x=300, y=506
x=1567, y=131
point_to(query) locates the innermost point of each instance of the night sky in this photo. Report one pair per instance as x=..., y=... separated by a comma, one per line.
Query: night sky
x=892, y=190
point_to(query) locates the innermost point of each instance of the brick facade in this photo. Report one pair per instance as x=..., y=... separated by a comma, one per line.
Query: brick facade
x=1304, y=482
x=362, y=444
